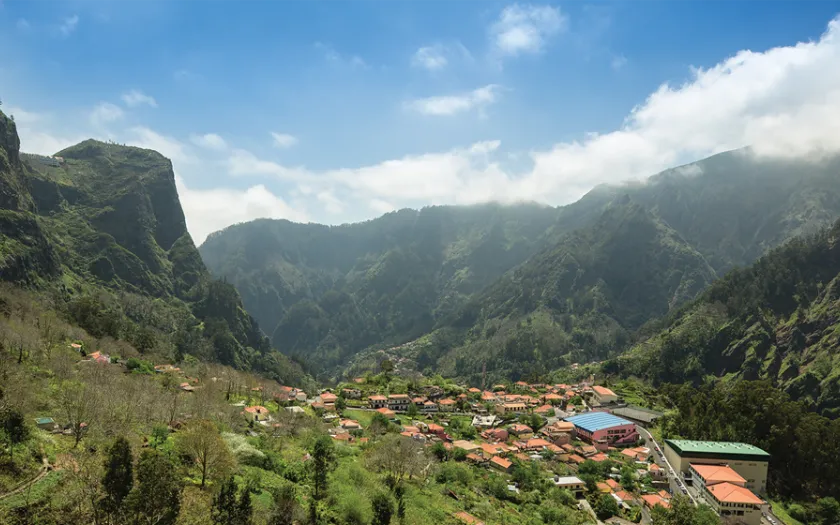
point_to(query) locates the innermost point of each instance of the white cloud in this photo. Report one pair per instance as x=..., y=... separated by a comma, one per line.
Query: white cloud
x=105, y=113
x=209, y=141
x=283, y=140
x=430, y=57
x=135, y=98
x=68, y=25
x=452, y=104
x=525, y=28
x=213, y=209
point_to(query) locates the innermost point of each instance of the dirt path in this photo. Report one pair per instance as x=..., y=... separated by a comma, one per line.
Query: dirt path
x=45, y=469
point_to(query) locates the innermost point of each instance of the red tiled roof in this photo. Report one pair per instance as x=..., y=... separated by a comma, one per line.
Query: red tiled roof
x=256, y=410
x=603, y=391
x=718, y=474
x=502, y=462
x=652, y=500
x=730, y=493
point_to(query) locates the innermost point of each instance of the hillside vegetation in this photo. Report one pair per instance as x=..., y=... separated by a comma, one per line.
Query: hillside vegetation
x=103, y=236
x=775, y=320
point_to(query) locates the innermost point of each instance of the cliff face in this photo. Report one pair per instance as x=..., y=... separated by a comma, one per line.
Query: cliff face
x=101, y=225
x=25, y=254
x=115, y=214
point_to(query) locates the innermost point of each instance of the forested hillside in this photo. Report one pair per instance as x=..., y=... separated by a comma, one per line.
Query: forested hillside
x=99, y=231
x=576, y=300
x=325, y=293
x=778, y=319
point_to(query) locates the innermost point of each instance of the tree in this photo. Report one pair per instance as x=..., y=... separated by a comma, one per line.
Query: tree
x=399, y=493
x=322, y=461
x=160, y=433
x=683, y=512
x=828, y=510
x=227, y=509
x=13, y=429
x=379, y=424
x=119, y=478
x=412, y=410
x=439, y=451
x=202, y=442
x=383, y=508
x=605, y=507
x=386, y=367
x=79, y=406
x=399, y=457
x=155, y=498
x=627, y=479
x=285, y=508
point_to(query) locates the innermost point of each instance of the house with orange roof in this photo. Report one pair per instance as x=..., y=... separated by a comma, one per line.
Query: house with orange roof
x=521, y=431
x=495, y=434
x=652, y=500
x=603, y=488
x=500, y=463
x=537, y=444
x=552, y=399
x=656, y=472
x=474, y=390
x=488, y=396
x=574, y=458
x=624, y=496
x=429, y=407
x=350, y=424
x=709, y=475
x=604, y=395
x=411, y=429
x=599, y=457
x=377, y=401
x=387, y=412
x=734, y=502
x=475, y=459
x=346, y=437
x=544, y=411
x=469, y=446
x=447, y=405
x=257, y=413
x=613, y=484
x=399, y=402
x=511, y=408
x=436, y=429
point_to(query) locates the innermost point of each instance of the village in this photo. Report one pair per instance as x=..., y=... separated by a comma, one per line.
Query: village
x=583, y=437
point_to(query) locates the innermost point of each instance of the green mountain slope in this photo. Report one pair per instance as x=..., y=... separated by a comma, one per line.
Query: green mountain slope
x=735, y=206
x=102, y=232
x=329, y=292
x=777, y=320
x=576, y=300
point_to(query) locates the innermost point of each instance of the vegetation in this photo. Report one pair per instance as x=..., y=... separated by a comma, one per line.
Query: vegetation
x=775, y=320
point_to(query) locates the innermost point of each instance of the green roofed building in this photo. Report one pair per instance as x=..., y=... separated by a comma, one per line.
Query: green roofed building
x=747, y=460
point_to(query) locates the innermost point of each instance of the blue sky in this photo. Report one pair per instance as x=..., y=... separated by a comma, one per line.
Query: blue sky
x=340, y=111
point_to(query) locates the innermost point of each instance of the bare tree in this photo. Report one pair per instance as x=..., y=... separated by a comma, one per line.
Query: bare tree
x=399, y=457
x=79, y=406
x=202, y=441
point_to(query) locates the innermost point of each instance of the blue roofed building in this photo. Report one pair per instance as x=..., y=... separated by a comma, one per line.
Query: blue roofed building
x=603, y=427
